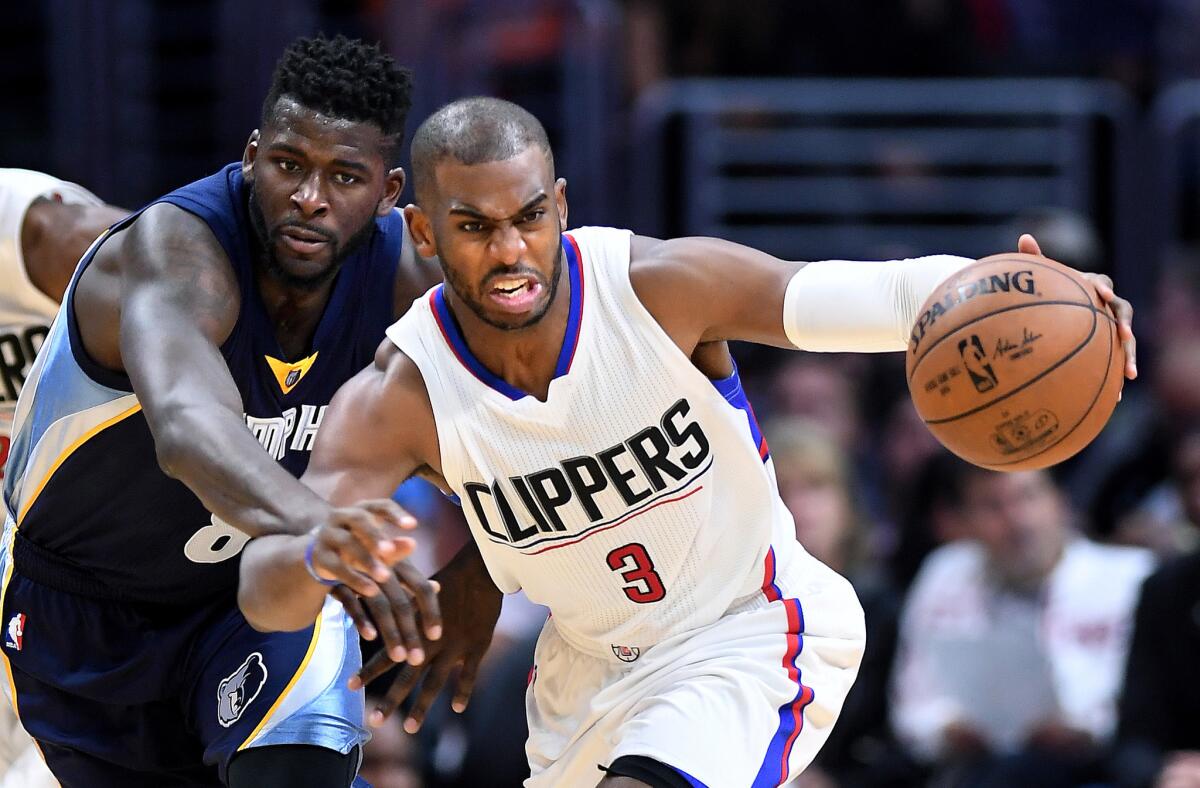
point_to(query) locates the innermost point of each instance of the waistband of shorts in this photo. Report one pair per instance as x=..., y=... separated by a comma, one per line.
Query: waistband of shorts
x=45, y=568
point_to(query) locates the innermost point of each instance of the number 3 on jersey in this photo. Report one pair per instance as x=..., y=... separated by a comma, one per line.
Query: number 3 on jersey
x=642, y=583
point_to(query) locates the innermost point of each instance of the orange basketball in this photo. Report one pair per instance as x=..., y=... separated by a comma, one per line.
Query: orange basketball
x=1014, y=363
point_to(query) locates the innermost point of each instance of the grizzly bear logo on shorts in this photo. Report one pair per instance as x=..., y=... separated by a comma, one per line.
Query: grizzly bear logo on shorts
x=237, y=690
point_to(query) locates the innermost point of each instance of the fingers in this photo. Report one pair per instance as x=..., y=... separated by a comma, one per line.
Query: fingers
x=1122, y=312
x=390, y=511
x=382, y=610
x=431, y=687
x=466, y=682
x=375, y=667
x=424, y=593
x=356, y=611
x=1027, y=244
x=375, y=530
x=401, y=687
x=336, y=548
x=408, y=645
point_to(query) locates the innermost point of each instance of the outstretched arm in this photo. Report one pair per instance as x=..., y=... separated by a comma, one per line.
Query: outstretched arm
x=832, y=305
x=363, y=452
x=168, y=285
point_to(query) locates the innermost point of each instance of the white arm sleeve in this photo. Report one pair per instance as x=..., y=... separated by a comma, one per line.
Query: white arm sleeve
x=866, y=307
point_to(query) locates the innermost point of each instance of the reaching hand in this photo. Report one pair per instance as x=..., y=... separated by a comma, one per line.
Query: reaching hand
x=1122, y=310
x=358, y=544
x=406, y=595
x=471, y=604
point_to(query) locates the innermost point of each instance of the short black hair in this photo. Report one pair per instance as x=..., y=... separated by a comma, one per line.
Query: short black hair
x=344, y=78
x=473, y=131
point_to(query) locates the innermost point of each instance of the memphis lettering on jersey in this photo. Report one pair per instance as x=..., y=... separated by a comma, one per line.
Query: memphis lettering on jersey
x=520, y=509
x=18, y=347
x=295, y=430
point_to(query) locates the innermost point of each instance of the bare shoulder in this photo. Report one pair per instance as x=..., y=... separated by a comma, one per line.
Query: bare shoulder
x=386, y=405
x=167, y=238
x=671, y=278
x=166, y=269
x=710, y=290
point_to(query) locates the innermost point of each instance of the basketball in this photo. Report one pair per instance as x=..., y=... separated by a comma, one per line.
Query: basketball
x=1014, y=363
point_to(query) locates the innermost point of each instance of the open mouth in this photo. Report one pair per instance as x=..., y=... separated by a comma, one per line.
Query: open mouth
x=515, y=293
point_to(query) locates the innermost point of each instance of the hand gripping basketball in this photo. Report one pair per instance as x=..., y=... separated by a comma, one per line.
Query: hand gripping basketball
x=1016, y=362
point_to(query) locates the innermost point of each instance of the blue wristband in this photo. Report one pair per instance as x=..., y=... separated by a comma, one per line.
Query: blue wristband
x=312, y=570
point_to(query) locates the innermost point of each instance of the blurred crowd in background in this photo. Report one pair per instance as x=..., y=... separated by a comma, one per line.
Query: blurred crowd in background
x=1037, y=629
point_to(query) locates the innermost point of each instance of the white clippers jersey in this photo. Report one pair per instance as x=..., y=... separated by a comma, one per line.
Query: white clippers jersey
x=25, y=311
x=638, y=501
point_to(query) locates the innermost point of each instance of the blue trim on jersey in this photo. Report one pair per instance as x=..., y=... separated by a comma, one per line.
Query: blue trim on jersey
x=692, y=781
x=731, y=389
x=775, y=768
x=450, y=330
x=566, y=353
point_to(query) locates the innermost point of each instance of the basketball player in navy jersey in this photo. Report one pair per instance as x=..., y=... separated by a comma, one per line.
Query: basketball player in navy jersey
x=575, y=390
x=163, y=426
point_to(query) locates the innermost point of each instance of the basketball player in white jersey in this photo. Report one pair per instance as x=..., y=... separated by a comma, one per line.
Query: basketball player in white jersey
x=575, y=391
x=46, y=225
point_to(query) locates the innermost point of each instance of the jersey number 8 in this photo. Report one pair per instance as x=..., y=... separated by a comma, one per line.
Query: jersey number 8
x=216, y=542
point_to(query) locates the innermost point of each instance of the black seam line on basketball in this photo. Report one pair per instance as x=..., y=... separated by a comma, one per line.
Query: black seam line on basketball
x=1086, y=297
x=950, y=332
x=1099, y=391
x=1029, y=382
x=662, y=494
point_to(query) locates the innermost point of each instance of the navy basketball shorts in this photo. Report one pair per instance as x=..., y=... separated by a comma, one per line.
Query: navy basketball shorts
x=125, y=695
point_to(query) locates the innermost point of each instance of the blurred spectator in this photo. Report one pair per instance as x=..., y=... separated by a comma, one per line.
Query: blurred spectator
x=1129, y=502
x=1177, y=297
x=815, y=484
x=391, y=759
x=926, y=517
x=818, y=388
x=1159, y=730
x=1012, y=644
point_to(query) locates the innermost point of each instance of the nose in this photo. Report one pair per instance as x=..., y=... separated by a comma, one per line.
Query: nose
x=309, y=196
x=507, y=244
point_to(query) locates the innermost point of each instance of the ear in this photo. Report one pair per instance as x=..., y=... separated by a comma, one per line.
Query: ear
x=393, y=185
x=421, y=230
x=560, y=199
x=249, y=154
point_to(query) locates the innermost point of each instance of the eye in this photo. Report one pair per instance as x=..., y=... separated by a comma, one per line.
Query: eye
x=471, y=227
x=345, y=178
x=287, y=165
x=533, y=216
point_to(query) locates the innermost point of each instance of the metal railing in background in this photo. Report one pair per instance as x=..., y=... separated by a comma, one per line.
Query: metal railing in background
x=811, y=169
x=1176, y=121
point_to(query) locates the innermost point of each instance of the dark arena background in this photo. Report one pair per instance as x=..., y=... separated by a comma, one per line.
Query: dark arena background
x=812, y=129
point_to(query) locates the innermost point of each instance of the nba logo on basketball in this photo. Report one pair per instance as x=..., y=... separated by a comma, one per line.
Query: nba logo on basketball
x=16, y=632
x=627, y=653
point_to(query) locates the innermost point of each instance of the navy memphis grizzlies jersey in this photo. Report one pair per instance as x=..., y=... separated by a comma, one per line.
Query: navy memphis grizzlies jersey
x=94, y=512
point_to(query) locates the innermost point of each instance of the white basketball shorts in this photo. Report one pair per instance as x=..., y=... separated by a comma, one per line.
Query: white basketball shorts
x=745, y=701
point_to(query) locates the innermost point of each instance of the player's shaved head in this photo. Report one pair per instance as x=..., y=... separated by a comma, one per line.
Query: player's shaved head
x=473, y=131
